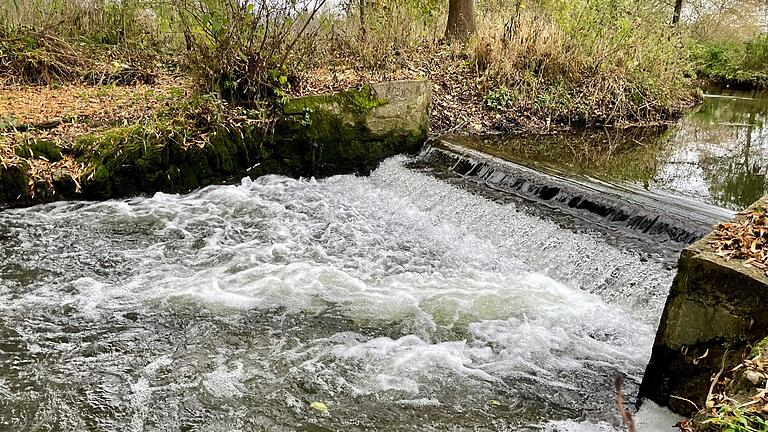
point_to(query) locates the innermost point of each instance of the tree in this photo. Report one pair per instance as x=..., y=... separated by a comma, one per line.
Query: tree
x=678, y=11
x=461, y=20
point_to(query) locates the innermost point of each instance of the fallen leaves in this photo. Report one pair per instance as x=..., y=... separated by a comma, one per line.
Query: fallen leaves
x=319, y=407
x=738, y=397
x=61, y=114
x=746, y=238
x=27, y=105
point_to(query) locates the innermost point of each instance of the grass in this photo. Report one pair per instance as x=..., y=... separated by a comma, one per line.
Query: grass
x=590, y=62
x=96, y=122
x=733, y=418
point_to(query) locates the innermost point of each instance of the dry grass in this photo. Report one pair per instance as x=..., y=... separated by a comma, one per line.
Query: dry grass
x=537, y=69
x=589, y=69
x=62, y=114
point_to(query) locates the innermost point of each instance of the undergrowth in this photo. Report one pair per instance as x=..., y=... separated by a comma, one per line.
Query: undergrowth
x=593, y=62
x=590, y=61
x=738, y=397
x=733, y=63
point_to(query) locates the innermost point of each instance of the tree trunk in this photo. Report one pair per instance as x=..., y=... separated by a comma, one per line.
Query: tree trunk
x=363, y=30
x=678, y=11
x=461, y=20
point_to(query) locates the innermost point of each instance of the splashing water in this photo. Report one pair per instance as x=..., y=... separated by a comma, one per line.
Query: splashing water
x=397, y=300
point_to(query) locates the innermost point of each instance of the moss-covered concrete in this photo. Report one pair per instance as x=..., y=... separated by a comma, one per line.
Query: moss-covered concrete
x=715, y=310
x=351, y=132
x=322, y=135
x=40, y=148
x=14, y=183
x=132, y=160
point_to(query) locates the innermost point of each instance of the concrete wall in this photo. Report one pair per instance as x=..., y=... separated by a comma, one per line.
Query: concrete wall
x=714, y=311
x=352, y=131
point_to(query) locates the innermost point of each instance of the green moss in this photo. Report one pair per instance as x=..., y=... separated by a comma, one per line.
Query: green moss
x=358, y=102
x=40, y=148
x=164, y=153
x=159, y=156
x=758, y=348
x=14, y=183
x=334, y=137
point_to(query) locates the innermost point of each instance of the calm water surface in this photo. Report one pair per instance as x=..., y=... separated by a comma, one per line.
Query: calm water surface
x=717, y=154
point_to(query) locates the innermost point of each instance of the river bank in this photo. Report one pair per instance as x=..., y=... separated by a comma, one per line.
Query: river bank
x=113, y=141
x=146, y=76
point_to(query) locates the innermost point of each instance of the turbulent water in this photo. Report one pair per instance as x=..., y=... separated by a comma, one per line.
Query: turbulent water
x=398, y=300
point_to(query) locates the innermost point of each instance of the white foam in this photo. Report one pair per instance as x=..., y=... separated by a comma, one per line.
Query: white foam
x=653, y=418
x=225, y=382
x=437, y=295
x=579, y=426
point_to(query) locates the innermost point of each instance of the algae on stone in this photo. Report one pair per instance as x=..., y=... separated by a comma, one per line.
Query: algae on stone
x=203, y=141
x=353, y=131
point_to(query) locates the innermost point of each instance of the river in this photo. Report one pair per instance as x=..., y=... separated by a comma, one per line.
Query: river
x=405, y=300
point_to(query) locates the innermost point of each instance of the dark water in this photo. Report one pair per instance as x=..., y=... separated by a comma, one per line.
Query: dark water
x=717, y=154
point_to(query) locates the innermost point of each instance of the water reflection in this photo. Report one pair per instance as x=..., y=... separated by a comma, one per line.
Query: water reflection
x=717, y=154
x=728, y=139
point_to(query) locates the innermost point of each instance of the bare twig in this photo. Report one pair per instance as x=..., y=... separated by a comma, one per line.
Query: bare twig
x=710, y=403
x=626, y=417
x=696, y=407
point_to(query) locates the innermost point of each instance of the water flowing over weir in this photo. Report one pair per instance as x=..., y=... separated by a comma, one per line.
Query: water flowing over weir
x=399, y=300
x=658, y=223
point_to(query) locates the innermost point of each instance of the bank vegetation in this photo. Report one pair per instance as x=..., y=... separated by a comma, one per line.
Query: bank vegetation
x=524, y=64
x=74, y=69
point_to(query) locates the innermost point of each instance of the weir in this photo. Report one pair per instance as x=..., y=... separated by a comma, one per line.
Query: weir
x=659, y=223
x=396, y=294
x=454, y=290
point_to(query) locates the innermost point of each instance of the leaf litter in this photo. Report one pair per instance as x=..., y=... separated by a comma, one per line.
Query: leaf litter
x=745, y=238
x=60, y=114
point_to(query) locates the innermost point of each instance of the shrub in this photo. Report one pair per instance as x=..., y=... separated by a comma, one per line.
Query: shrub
x=730, y=63
x=594, y=60
x=248, y=51
x=32, y=57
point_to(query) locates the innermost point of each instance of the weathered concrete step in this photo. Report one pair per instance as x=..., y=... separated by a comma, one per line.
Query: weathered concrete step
x=654, y=222
x=715, y=310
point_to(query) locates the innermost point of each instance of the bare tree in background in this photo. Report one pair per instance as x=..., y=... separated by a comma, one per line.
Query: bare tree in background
x=737, y=20
x=461, y=20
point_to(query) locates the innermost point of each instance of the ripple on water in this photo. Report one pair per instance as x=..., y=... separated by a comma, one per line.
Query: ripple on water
x=396, y=299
